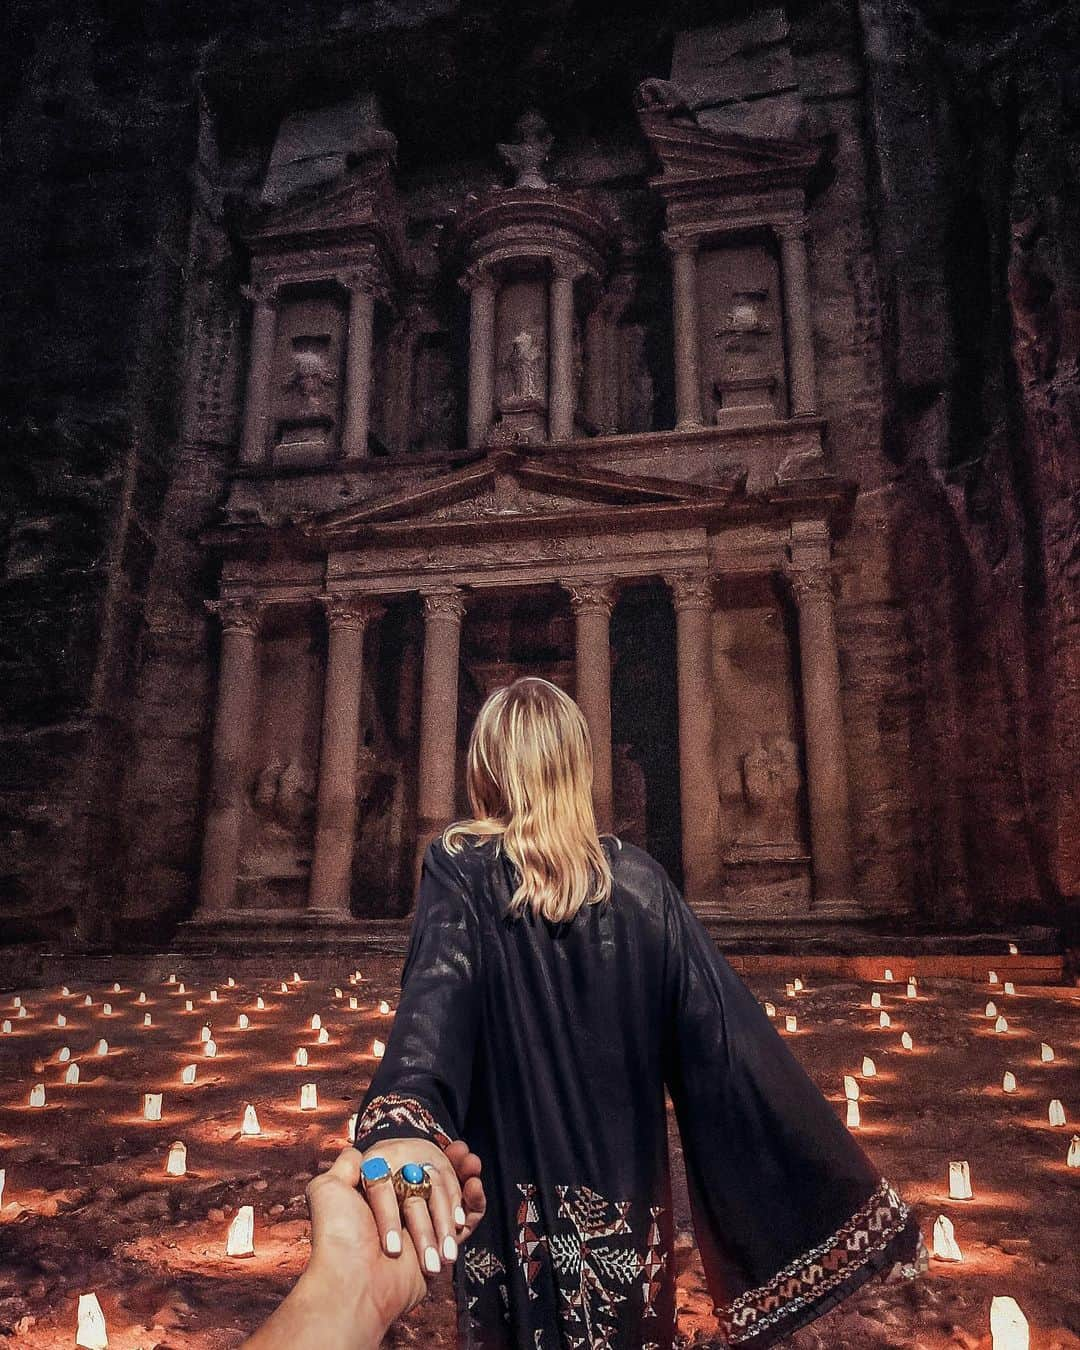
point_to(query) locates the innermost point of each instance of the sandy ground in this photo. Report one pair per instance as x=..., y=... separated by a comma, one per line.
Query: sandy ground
x=87, y=1205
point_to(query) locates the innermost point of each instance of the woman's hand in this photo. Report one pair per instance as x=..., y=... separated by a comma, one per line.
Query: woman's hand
x=435, y=1226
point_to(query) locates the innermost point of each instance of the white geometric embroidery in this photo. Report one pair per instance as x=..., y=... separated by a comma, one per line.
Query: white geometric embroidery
x=593, y=1267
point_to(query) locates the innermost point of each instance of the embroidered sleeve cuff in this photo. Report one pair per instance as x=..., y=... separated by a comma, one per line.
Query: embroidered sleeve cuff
x=394, y=1116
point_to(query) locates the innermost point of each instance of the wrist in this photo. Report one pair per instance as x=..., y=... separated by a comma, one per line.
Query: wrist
x=345, y=1307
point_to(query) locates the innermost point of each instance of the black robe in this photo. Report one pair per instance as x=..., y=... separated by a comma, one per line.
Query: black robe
x=547, y=1047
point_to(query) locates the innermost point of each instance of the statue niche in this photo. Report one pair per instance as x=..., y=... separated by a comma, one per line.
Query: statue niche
x=770, y=787
x=306, y=383
x=521, y=362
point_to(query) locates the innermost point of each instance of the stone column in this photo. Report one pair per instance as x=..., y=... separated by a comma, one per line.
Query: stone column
x=253, y=446
x=687, y=361
x=347, y=617
x=481, y=356
x=238, y=678
x=561, y=390
x=795, y=276
x=592, y=603
x=354, y=432
x=444, y=609
x=826, y=749
x=698, y=789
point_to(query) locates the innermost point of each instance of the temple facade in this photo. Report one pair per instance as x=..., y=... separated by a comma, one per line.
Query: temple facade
x=546, y=427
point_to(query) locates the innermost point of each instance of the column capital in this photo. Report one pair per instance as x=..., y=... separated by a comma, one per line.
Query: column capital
x=683, y=244
x=591, y=593
x=364, y=279
x=475, y=277
x=263, y=291
x=445, y=601
x=241, y=614
x=811, y=581
x=565, y=269
x=355, y=611
x=690, y=590
x=796, y=228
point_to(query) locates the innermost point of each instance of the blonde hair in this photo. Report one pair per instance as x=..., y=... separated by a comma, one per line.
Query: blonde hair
x=529, y=777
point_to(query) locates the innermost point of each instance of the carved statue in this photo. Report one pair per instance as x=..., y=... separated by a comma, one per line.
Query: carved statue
x=526, y=366
x=310, y=375
x=771, y=782
x=658, y=95
x=527, y=156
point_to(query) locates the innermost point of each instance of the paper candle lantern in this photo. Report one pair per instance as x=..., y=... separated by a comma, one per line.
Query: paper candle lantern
x=187, y=1074
x=869, y=1068
x=797, y=984
x=88, y=1002
x=1014, y=950
x=378, y=1049
x=1072, y=1159
x=912, y=990
x=888, y=973
x=182, y=989
x=3, y=1178
x=141, y=998
x=875, y=999
x=250, y=1123
x=906, y=1041
x=172, y=979
x=37, y=1095
x=115, y=988
x=63, y=1054
x=16, y=1002
x=309, y=1097
x=205, y=1034
x=61, y=1020
x=991, y=1010
x=959, y=1181
x=284, y=987
x=23, y=1012
x=146, y=1020
x=188, y=1005
x=103, y=1047
x=106, y=1010
x=176, y=1162
x=350, y=1130
x=300, y=1058
x=231, y=982
x=1001, y=1025
x=296, y=977
x=91, y=1333
x=384, y=1007
x=992, y=977
x=1057, y=1113
x=1008, y=1325
x=260, y=1003
x=5, y=1027
x=770, y=1009
x=1010, y=988
x=71, y=1077
x=240, y=1240
x=324, y=1036
x=885, y=1020
x=316, y=1022
x=791, y=1022
x=243, y=1022
x=1008, y=1083
x=1045, y=1053
x=851, y=1088
x=945, y=1245
x=853, y=1121
x=338, y=993
x=789, y=989
x=210, y=1049
x=65, y=992
x=354, y=1002
x=151, y=1105
x=213, y=996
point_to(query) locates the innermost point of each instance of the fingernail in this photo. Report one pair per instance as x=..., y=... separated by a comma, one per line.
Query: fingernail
x=459, y=1214
x=431, y=1260
x=449, y=1247
x=393, y=1241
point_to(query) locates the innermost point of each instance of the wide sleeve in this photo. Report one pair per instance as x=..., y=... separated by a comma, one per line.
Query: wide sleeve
x=790, y=1214
x=420, y=1089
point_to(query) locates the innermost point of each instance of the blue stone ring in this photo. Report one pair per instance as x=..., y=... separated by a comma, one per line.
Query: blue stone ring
x=411, y=1179
x=372, y=1171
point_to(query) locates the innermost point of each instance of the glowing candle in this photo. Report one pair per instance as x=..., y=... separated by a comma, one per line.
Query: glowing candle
x=885, y=1020
x=1001, y=1025
x=770, y=1009
x=378, y=1049
x=300, y=1058
x=260, y=1003
x=797, y=984
x=61, y=1020
x=147, y=1021
x=210, y=1049
x=240, y=1241
x=72, y=1075
x=103, y=1047
x=37, y=1095
x=106, y=1010
x=853, y=1121
x=65, y=992
x=16, y=1002
x=205, y=1034
x=63, y=1054
x=296, y=977
x=88, y=1001
x=945, y=1245
x=888, y=973
x=5, y=1026
x=869, y=1069
x=338, y=993
x=354, y=1002
x=875, y=999
x=324, y=1036
x=242, y=1022
x=188, y=1005
x=991, y=1010
x=172, y=979
x=284, y=987
x=912, y=990
x=851, y=1088
x=1008, y=1325
x=992, y=976
x=790, y=1022
x=384, y=1007
x=906, y=1041
x=23, y=1012
x=151, y=1105
x=1046, y=1054
x=309, y=1097
x=1008, y=1083
x=250, y=1123
x=213, y=996
x=316, y=1022
x=91, y=1333
x=182, y=989
x=1073, y=1157
x=187, y=1074
x=115, y=988
x=1014, y=950
x=1057, y=1113
x=959, y=1181
x=141, y=998
x=231, y=982
x=176, y=1162
x=1010, y=988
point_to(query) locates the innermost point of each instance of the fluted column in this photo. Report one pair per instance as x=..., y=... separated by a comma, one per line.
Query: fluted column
x=354, y=434
x=347, y=618
x=698, y=789
x=481, y=355
x=444, y=609
x=238, y=677
x=826, y=749
x=687, y=360
x=592, y=603
x=795, y=278
x=562, y=392
x=253, y=446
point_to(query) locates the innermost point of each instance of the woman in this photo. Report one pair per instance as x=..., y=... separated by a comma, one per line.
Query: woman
x=555, y=982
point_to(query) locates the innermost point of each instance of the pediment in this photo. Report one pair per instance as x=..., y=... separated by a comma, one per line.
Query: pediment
x=364, y=199
x=505, y=487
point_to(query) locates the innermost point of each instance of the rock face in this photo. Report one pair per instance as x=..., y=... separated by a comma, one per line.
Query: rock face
x=945, y=311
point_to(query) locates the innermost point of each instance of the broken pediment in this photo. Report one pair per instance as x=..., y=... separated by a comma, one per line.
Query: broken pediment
x=505, y=486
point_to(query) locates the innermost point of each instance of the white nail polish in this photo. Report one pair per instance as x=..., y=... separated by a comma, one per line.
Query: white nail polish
x=459, y=1214
x=431, y=1260
x=449, y=1248
x=393, y=1241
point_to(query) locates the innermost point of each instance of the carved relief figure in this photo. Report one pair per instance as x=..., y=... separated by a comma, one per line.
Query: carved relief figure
x=771, y=782
x=527, y=156
x=311, y=375
x=283, y=805
x=526, y=366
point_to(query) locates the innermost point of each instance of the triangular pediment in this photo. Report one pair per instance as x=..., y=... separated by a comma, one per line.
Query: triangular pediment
x=362, y=200
x=505, y=486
